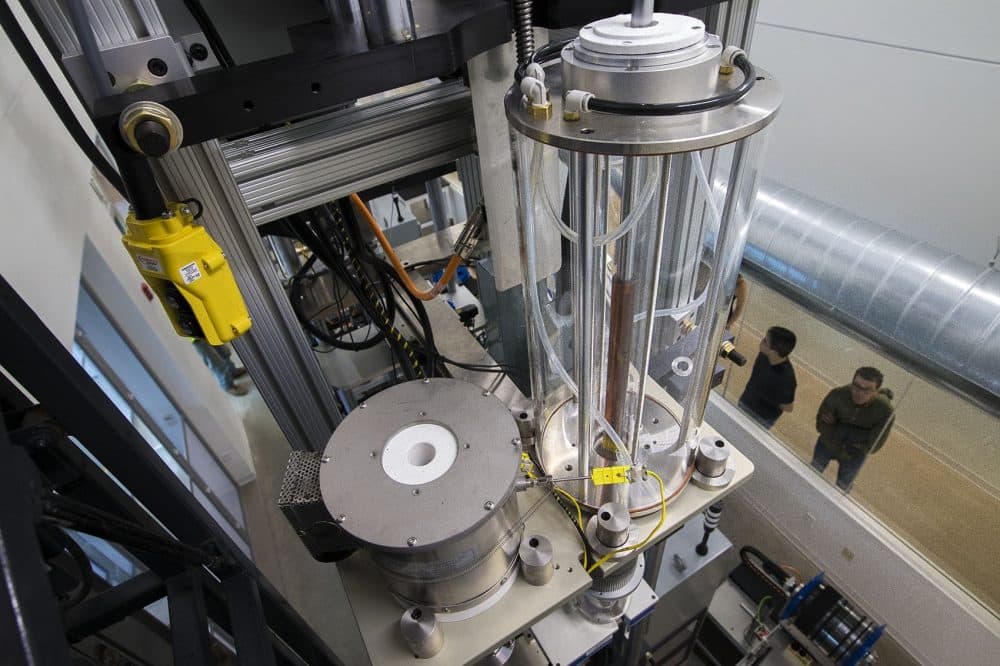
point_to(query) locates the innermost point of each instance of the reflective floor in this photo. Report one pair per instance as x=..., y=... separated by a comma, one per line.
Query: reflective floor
x=935, y=482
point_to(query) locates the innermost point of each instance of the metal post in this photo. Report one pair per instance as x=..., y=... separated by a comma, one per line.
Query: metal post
x=582, y=174
x=716, y=307
x=30, y=627
x=642, y=13
x=188, y=619
x=253, y=644
x=276, y=351
x=114, y=605
x=647, y=334
x=439, y=216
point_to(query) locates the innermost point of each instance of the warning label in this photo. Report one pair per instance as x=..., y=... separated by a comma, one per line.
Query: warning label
x=149, y=263
x=190, y=272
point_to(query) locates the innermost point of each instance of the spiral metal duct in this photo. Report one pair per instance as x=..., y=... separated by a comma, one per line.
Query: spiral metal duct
x=933, y=311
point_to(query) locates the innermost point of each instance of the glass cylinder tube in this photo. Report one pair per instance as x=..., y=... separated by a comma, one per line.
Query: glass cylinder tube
x=632, y=232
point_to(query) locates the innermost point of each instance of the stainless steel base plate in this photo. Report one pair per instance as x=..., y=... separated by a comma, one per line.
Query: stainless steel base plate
x=658, y=449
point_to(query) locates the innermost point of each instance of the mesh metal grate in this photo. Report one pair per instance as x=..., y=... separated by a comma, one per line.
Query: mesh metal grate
x=301, y=482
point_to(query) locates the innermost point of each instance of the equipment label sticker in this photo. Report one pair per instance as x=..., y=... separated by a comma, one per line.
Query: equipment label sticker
x=190, y=272
x=149, y=263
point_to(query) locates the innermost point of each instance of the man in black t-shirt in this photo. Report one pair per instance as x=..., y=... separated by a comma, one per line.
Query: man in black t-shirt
x=771, y=389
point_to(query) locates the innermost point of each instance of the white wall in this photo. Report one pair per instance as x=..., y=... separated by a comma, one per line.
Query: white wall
x=49, y=209
x=928, y=615
x=890, y=112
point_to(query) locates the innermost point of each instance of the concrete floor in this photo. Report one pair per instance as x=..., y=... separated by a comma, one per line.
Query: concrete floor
x=934, y=481
x=311, y=587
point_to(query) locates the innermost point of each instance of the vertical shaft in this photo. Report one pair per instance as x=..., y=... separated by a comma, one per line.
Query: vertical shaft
x=642, y=13
x=647, y=333
x=439, y=215
x=582, y=217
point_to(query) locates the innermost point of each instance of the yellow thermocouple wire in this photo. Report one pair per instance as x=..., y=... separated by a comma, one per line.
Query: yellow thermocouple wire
x=659, y=524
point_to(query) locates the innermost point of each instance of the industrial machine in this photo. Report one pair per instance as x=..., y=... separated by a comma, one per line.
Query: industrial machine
x=500, y=486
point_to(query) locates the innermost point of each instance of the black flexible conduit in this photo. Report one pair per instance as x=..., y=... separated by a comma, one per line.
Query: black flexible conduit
x=55, y=98
x=678, y=108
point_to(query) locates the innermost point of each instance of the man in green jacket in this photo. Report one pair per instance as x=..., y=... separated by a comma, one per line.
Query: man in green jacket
x=853, y=422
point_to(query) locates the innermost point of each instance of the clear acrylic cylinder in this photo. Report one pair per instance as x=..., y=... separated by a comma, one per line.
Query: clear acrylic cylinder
x=632, y=233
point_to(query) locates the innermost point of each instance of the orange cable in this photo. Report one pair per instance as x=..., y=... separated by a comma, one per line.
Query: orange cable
x=427, y=295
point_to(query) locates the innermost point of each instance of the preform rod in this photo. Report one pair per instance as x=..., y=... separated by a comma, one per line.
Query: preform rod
x=642, y=13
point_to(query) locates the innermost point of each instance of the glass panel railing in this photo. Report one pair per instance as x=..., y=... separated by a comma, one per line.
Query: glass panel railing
x=936, y=479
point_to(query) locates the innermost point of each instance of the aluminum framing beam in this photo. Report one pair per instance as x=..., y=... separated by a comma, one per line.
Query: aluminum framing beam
x=276, y=351
x=289, y=169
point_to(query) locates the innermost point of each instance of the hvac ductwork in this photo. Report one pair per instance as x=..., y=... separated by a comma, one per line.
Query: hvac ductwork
x=933, y=311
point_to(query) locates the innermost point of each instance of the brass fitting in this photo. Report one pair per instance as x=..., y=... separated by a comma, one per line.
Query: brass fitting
x=150, y=129
x=541, y=111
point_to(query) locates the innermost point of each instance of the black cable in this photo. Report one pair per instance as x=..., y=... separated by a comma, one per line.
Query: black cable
x=328, y=254
x=84, y=518
x=57, y=538
x=295, y=297
x=770, y=572
x=207, y=26
x=541, y=55
x=678, y=108
x=55, y=98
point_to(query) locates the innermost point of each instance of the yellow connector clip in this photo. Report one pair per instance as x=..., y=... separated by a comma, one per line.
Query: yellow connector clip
x=189, y=274
x=606, y=476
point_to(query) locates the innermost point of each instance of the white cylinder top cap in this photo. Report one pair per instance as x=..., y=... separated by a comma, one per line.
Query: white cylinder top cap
x=419, y=453
x=668, y=32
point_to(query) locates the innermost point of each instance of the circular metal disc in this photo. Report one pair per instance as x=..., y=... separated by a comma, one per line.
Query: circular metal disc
x=616, y=134
x=658, y=449
x=387, y=513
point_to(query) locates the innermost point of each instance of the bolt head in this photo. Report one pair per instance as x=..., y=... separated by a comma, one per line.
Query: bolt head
x=412, y=541
x=165, y=215
x=373, y=454
x=325, y=459
x=516, y=441
x=339, y=519
x=426, y=381
x=186, y=210
x=488, y=505
x=363, y=405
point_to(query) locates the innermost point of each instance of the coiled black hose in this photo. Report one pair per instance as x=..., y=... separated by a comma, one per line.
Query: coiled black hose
x=678, y=108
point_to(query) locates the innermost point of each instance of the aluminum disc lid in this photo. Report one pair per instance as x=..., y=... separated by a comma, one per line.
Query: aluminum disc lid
x=420, y=463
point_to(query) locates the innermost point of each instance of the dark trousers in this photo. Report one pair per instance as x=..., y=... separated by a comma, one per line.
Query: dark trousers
x=847, y=468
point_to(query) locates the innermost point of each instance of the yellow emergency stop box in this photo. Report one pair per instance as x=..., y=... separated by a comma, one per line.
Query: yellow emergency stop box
x=189, y=274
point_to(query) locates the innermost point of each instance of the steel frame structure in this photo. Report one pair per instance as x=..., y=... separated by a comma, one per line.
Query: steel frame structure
x=121, y=475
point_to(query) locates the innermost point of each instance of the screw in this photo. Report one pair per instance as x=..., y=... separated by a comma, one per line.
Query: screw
x=423, y=414
x=198, y=51
x=416, y=491
x=426, y=380
x=468, y=446
x=165, y=215
x=302, y=533
x=488, y=505
x=363, y=405
x=325, y=459
x=339, y=519
x=486, y=394
x=157, y=67
x=411, y=542
x=516, y=441
x=373, y=454
x=186, y=210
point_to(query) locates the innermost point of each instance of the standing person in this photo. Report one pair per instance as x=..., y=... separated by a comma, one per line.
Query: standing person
x=770, y=392
x=218, y=361
x=853, y=422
